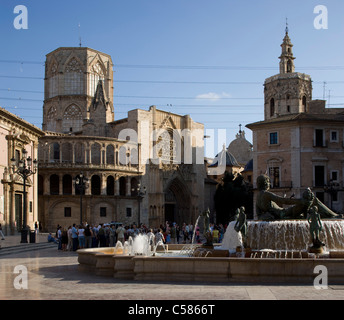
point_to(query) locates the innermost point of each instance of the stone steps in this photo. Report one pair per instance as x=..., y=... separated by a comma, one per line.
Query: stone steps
x=26, y=248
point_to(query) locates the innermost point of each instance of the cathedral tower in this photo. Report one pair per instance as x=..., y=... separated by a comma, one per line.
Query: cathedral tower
x=288, y=92
x=78, y=81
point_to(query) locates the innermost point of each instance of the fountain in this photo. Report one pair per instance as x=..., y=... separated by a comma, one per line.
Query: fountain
x=286, y=249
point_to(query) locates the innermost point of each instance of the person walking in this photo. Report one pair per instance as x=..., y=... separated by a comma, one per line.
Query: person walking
x=70, y=240
x=1, y=233
x=75, y=237
x=101, y=236
x=120, y=231
x=88, y=236
x=173, y=234
x=59, y=237
x=81, y=237
x=112, y=236
x=64, y=239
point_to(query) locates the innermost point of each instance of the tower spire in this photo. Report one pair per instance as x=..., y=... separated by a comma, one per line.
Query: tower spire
x=287, y=58
x=286, y=26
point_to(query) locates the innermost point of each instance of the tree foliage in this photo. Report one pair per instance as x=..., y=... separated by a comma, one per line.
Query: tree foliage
x=231, y=194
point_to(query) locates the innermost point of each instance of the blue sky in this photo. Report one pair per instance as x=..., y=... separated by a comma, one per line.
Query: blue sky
x=208, y=59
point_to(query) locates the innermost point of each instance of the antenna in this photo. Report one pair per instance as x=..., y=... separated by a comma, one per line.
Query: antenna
x=324, y=93
x=79, y=36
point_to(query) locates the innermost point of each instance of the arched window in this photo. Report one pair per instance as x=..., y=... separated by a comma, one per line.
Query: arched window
x=110, y=186
x=95, y=153
x=51, y=119
x=122, y=186
x=272, y=107
x=96, y=75
x=67, y=183
x=110, y=154
x=72, y=119
x=54, y=184
x=79, y=151
x=289, y=66
x=67, y=152
x=73, y=77
x=95, y=185
x=165, y=147
x=304, y=104
x=55, y=152
x=134, y=186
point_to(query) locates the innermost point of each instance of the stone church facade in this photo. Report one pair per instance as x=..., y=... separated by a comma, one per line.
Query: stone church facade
x=146, y=168
x=299, y=144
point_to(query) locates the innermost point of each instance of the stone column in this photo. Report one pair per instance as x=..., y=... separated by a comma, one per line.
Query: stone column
x=116, y=186
x=128, y=193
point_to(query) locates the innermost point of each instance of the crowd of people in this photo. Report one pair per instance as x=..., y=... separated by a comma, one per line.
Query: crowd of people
x=107, y=235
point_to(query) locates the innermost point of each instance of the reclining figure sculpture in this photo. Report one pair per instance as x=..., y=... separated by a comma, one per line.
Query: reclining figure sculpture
x=269, y=206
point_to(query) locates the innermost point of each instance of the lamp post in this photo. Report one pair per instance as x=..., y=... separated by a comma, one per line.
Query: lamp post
x=81, y=185
x=25, y=167
x=141, y=192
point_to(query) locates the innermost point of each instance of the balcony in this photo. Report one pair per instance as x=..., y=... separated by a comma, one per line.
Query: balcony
x=57, y=164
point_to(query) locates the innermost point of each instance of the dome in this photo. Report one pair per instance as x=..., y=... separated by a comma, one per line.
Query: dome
x=241, y=149
x=230, y=159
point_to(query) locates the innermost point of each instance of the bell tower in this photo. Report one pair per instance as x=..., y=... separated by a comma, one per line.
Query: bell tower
x=73, y=77
x=287, y=58
x=288, y=92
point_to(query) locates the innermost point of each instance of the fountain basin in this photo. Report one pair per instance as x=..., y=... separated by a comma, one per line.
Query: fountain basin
x=211, y=269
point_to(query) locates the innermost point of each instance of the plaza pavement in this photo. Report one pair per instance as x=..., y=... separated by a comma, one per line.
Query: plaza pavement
x=53, y=275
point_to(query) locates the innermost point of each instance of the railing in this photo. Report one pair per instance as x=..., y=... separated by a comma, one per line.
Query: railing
x=69, y=164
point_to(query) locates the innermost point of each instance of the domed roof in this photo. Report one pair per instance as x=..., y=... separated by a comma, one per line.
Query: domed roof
x=225, y=154
x=249, y=166
x=241, y=149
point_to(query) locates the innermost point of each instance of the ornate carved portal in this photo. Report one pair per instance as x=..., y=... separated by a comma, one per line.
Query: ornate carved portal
x=178, y=203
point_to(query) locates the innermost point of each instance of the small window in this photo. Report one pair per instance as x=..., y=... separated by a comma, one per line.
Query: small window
x=334, y=136
x=319, y=138
x=30, y=206
x=272, y=107
x=273, y=138
x=288, y=108
x=68, y=212
x=128, y=212
x=103, y=211
x=334, y=176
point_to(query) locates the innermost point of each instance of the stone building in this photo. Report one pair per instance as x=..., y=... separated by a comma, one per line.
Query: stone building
x=148, y=167
x=299, y=144
x=17, y=138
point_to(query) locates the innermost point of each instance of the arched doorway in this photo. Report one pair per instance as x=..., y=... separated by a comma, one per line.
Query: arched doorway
x=178, y=203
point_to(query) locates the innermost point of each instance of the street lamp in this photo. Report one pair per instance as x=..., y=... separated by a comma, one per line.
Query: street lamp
x=81, y=185
x=25, y=167
x=141, y=192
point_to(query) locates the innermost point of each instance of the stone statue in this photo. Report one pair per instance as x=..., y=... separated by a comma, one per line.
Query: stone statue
x=207, y=231
x=315, y=227
x=241, y=224
x=269, y=206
